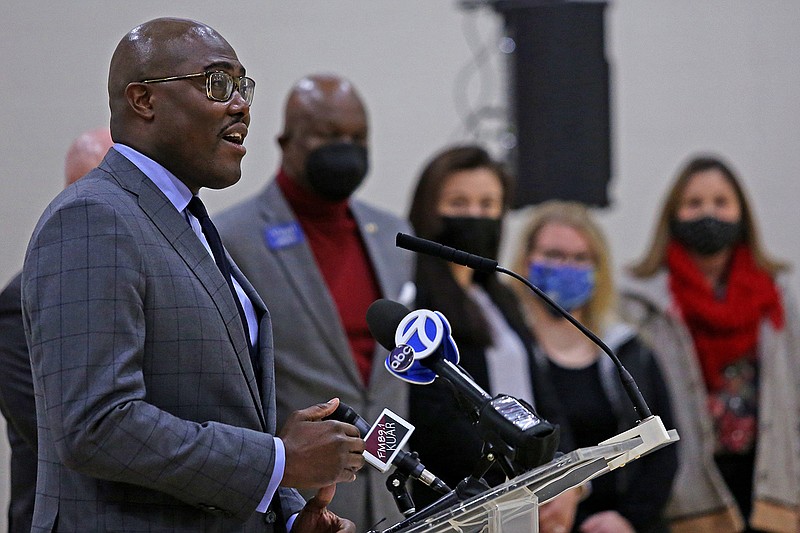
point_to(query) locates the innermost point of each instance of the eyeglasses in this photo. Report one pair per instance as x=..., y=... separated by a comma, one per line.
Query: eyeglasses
x=219, y=85
x=561, y=257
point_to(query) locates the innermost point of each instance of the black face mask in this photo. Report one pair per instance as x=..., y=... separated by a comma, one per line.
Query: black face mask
x=335, y=170
x=474, y=235
x=707, y=235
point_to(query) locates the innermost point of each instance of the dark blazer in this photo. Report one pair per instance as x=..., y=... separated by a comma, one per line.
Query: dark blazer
x=149, y=414
x=18, y=408
x=313, y=361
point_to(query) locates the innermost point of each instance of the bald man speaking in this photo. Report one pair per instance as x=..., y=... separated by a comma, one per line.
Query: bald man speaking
x=151, y=353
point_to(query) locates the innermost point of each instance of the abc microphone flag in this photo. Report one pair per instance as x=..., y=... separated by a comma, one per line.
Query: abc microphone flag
x=420, y=334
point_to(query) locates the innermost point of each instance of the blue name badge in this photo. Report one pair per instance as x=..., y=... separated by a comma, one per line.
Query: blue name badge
x=283, y=235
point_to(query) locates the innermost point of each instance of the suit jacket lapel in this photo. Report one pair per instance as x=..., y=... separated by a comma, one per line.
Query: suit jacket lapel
x=375, y=239
x=307, y=282
x=179, y=234
x=266, y=406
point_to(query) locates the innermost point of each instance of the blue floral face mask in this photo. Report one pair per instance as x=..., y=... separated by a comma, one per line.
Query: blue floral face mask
x=569, y=286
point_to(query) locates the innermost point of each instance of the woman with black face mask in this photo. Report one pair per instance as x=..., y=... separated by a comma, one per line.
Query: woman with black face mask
x=460, y=199
x=727, y=335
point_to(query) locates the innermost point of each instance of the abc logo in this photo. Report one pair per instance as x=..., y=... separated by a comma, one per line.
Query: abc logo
x=423, y=330
x=401, y=358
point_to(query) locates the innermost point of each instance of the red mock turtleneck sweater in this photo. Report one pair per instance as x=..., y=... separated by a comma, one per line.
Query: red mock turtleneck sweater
x=334, y=238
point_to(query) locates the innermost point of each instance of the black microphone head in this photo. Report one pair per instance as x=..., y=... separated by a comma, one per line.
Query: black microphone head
x=435, y=249
x=345, y=413
x=417, y=244
x=383, y=317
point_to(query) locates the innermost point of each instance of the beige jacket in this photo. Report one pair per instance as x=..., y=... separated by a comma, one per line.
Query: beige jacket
x=700, y=500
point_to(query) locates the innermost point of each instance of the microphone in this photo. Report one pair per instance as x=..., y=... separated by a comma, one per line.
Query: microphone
x=405, y=462
x=424, y=246
x=511, y=428
x=483, y=264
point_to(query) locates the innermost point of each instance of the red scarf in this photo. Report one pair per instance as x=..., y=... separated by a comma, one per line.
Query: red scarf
x=724, y=330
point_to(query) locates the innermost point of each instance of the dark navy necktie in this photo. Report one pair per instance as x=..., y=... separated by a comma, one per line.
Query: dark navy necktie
x=198, y=209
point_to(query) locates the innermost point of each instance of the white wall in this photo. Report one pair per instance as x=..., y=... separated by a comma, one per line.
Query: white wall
x=687, y=75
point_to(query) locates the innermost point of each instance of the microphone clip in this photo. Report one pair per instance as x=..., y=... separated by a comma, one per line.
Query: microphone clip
x=396, y=483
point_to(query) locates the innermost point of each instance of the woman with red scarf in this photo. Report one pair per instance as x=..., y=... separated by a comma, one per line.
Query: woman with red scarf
x=715, y=308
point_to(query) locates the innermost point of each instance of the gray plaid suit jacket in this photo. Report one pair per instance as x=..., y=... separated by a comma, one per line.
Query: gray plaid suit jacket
x=149, y=416
x=313, y=361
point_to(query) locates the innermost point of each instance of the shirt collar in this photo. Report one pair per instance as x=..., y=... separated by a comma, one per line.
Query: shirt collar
x=308, y=205
x=174, y=189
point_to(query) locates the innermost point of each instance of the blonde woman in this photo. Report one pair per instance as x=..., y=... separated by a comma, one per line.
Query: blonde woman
x=564, y=253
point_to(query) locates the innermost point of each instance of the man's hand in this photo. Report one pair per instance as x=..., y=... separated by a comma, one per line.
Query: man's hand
x=606, y=522
x=316, y=518
x=320, y=453
x=558, y=515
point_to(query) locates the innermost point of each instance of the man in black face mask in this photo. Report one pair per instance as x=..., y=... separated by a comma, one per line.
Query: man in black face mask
x=319, y=258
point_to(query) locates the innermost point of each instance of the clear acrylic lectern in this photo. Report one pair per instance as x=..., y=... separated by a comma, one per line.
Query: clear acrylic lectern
x=513, y=506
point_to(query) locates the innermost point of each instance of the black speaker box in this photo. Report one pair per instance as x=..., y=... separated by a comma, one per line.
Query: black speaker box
x=559, y=100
